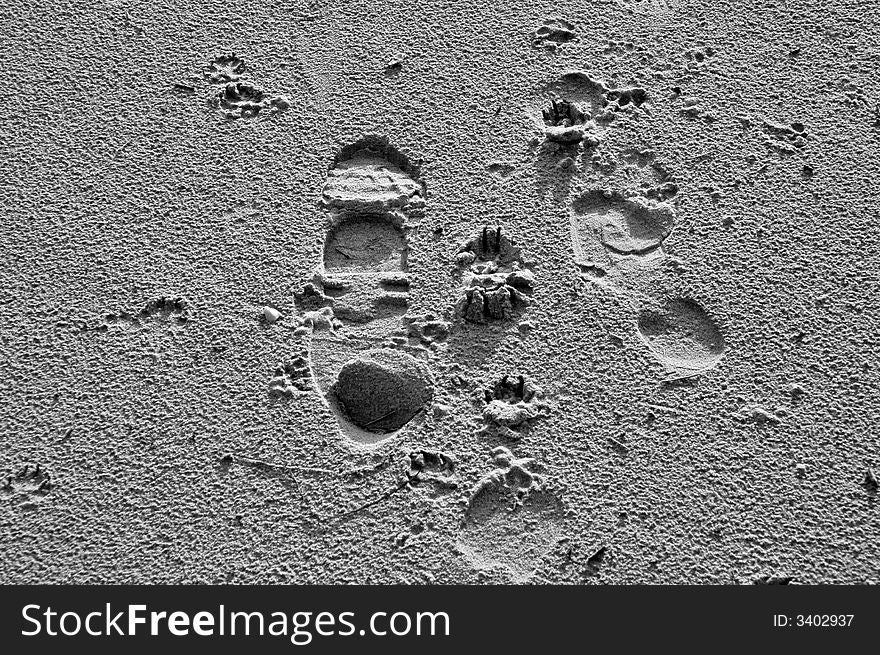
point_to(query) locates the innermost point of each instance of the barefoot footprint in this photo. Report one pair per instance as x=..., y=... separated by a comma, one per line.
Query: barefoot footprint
x=618, y=244
x=512, y=519
x=618, y=236
x=608, y=226
x=374, y=381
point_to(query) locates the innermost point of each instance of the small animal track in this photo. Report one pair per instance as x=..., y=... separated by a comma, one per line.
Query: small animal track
x=244, y=100
x=853, y=95
x=292, y=378
x=553, y=33
x=697, y=58
x=623, y=226
x=513, y=402
x=512, y=519
x=500, y=169
x=497, y=283
x=432, y=469
x=27, y=486
x=694, y=108
x=427, y=330
x=225, y=68
x=617, y=100
x=604, y=161
x=682, y=336
x=602, y=101
x=236, y=98
x=785, y=138
x=162, y=310
x=165, y=308
x=316, y=314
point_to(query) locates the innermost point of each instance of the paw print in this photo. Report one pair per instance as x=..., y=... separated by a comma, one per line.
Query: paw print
x=697, y=57
x=29, y=484
x=236, y=98
x=292, y=378
x=433, y=468
x=225, y=68
x=427, y=330
x=497, y=282
x=510, y=405
x=565, y=122
x=244, y=100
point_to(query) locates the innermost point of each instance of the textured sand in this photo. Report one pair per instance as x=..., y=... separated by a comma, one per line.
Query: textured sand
x=698, y=346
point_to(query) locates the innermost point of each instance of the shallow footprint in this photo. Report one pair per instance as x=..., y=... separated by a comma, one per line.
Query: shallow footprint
x=623, y=226
x=511, y=521
x=682, y=336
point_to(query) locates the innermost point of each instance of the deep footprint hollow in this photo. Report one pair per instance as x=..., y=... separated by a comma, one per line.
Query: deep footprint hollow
x=382, y=390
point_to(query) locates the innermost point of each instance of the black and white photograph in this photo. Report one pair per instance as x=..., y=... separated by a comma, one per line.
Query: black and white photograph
x=439, y=294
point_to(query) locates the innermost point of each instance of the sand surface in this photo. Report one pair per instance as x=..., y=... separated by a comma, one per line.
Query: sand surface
x=568, y=292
